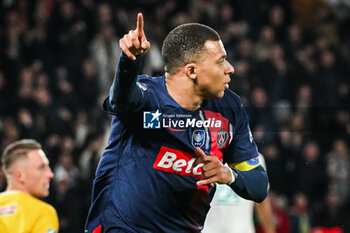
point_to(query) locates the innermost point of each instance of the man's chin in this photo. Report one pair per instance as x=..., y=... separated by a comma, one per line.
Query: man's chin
x=220, y=95
x=42, y=194
x=46, y=193
x=217, y=95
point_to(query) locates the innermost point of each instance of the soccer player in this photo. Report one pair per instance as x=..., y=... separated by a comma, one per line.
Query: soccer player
x=171, y=137
x=28, y=176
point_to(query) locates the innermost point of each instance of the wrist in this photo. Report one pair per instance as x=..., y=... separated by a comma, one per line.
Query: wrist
x=233, y=174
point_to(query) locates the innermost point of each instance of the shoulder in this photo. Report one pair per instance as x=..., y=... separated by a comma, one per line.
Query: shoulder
x=40, y=206
x=46, y=208
x=229, y=104
x=46, y=219
x=144, y=81
x=37, y=215
x=232, y=98
x=152, y=88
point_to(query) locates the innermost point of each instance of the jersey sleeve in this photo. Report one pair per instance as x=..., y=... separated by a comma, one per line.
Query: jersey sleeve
x=242, y=156
x=242, y=148
x=47, y=222
x=251, y=184
x=125, y=95
x=244, y=145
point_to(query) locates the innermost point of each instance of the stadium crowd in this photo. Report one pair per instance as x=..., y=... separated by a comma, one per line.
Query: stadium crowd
x=291, y=59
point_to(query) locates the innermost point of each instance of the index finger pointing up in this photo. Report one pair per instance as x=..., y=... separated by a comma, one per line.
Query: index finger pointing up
x=139, y=25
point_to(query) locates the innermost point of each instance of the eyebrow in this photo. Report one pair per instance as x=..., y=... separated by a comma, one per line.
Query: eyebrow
x=223, y=57
x=42, y=165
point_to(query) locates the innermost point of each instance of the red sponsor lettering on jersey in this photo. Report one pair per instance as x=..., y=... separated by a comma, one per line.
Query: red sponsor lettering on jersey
x=178, y=162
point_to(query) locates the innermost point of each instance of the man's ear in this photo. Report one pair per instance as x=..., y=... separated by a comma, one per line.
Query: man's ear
x=18, y=175
x=191, y=70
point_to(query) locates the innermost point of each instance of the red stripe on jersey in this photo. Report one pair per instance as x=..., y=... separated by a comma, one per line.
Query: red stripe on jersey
x=204, y=187
x=219, y=136
x=97, y=229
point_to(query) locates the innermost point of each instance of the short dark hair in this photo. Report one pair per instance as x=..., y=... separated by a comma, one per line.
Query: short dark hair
x=185, y=44
x=17, y=150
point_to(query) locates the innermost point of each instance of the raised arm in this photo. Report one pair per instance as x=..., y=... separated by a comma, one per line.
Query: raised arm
x=124, y=95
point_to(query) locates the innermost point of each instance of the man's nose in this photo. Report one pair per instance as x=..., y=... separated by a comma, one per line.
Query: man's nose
x=50, y=173
x=229, y=69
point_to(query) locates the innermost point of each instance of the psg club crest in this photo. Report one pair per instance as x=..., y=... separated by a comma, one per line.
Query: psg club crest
x=221, y=138
x=198, y=138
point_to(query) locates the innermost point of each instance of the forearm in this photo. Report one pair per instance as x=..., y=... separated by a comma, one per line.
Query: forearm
x=264, y=213
x=252, y=184
x=124, y=94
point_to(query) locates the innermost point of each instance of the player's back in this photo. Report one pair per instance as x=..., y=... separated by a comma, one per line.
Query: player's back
x=23, y=213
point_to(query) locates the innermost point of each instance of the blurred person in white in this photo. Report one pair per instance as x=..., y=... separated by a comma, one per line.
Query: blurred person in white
x=340, y=7
x=105, y=51
x=230, y=213
x=338, y=169
x=65, y=162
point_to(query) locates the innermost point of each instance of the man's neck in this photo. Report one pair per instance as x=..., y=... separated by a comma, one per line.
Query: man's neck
x=181, y=89
x=14, y=187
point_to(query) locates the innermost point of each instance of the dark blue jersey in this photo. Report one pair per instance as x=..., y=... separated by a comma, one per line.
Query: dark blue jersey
x=145, y=181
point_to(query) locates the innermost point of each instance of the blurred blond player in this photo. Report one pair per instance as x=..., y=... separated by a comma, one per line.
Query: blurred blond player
x=28, y=176
x=230, y=213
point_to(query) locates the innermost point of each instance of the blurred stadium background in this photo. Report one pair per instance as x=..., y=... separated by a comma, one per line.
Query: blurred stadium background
x=292, y=61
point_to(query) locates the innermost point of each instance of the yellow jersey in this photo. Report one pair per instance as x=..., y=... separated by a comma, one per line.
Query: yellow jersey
x=23, y=213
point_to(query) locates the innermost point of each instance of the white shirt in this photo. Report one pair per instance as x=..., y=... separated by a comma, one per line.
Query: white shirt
x=230, y=213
